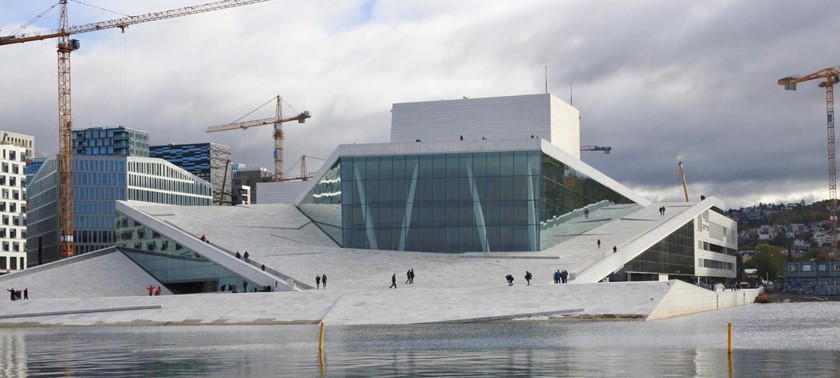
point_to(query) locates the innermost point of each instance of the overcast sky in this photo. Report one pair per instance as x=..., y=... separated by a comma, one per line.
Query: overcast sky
x=658, y=81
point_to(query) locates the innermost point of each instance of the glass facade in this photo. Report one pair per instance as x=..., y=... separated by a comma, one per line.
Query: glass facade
x=99, y=181
x=456, y=202
x=205, y=160
x=119, y=141
x=673, y=255
x=181, y=269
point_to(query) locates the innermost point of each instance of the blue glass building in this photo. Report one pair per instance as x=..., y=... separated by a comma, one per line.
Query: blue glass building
x=119, y=141
x=205, y=160
x=98, y=182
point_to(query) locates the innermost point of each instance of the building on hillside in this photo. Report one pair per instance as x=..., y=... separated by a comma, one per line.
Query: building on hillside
x=117, y=141
x=99, y=181
x=12, y=207
x=206, y=160
x=492, y=194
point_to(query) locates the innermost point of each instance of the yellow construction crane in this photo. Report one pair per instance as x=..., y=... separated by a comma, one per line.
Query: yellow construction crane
x=277, y=121
x=65, y=122
x=830, y=77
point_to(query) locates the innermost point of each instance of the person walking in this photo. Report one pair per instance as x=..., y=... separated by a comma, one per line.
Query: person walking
x=324, y=281
x=12, y=293
x=407, y=276
x=411, y=279
x=246, y=255
x=393, y=281
x=26, y=293
x=317, y=282
x=599, y=243
x=528, y=277
x=615, y=249
x=509, y=279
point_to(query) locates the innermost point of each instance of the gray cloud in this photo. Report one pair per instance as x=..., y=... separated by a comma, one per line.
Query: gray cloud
x=659, y=81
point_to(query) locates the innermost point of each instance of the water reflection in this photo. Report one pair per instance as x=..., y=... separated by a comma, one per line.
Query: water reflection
x=686, y=346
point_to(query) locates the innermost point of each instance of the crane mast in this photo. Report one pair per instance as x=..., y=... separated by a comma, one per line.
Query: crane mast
x=65, y=144
x=831, y=76
x=65, y=122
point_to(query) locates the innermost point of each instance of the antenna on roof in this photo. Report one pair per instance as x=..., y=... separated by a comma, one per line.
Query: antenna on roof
x=571, y=93
x=546, y=79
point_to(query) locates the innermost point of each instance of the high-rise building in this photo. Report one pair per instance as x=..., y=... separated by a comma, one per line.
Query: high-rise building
x=12, y=207
x=118, y=141
x=206, y=160
x=98, y=181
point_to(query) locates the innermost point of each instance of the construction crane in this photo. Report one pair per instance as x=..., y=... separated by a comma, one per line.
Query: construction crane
x=304, y=174
x=277, y=121
x=596, y=148
x=830, y=77
x=682, y=178
x=65, y=122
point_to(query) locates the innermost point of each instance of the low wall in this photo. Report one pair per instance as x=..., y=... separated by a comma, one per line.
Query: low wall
x=684, y=299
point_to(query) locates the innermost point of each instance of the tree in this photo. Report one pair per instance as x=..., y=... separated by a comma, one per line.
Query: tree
x=816, y=254
x=768, y=260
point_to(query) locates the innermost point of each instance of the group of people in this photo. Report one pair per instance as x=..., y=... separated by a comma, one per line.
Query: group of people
x=240, y=256
x=322, y=279
x=409, y=276
x=152, y=290
x=662, y=210
x=15, y=295
x=561, y=276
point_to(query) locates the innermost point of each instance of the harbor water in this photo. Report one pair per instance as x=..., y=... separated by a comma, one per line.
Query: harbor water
x=786, y=339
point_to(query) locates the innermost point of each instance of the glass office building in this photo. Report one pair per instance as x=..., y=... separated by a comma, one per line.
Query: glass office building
x=119, y=141
x=206, y=160
x=455, y=202
x=98, y=181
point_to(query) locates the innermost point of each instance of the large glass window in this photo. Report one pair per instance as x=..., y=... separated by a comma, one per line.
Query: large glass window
x=672, y=255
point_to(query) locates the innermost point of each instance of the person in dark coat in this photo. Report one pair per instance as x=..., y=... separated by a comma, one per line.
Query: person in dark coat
x=238, y=256
x=12, y=292
x=408, y=276
x=509, y=279
x=393, y=281
x=26, y=293
x=324, y=281
x=317, y=282
x=246, y=255
x=411, y=279
x=528, y=277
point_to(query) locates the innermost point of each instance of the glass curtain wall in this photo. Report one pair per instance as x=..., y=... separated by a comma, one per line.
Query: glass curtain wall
x=441, y=203
x=573, y=203
x=673, y=255
x=181, y=269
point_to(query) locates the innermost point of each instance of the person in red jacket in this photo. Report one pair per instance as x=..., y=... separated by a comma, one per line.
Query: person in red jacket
x=151, y=288
x=157, y=292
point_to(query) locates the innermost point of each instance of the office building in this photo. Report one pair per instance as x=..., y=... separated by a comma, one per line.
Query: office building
x=12, y=205
x=117, y=141
x=99, y=181
x=206, y=160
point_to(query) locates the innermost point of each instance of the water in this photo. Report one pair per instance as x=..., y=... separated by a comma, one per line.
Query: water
x=791, y=339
